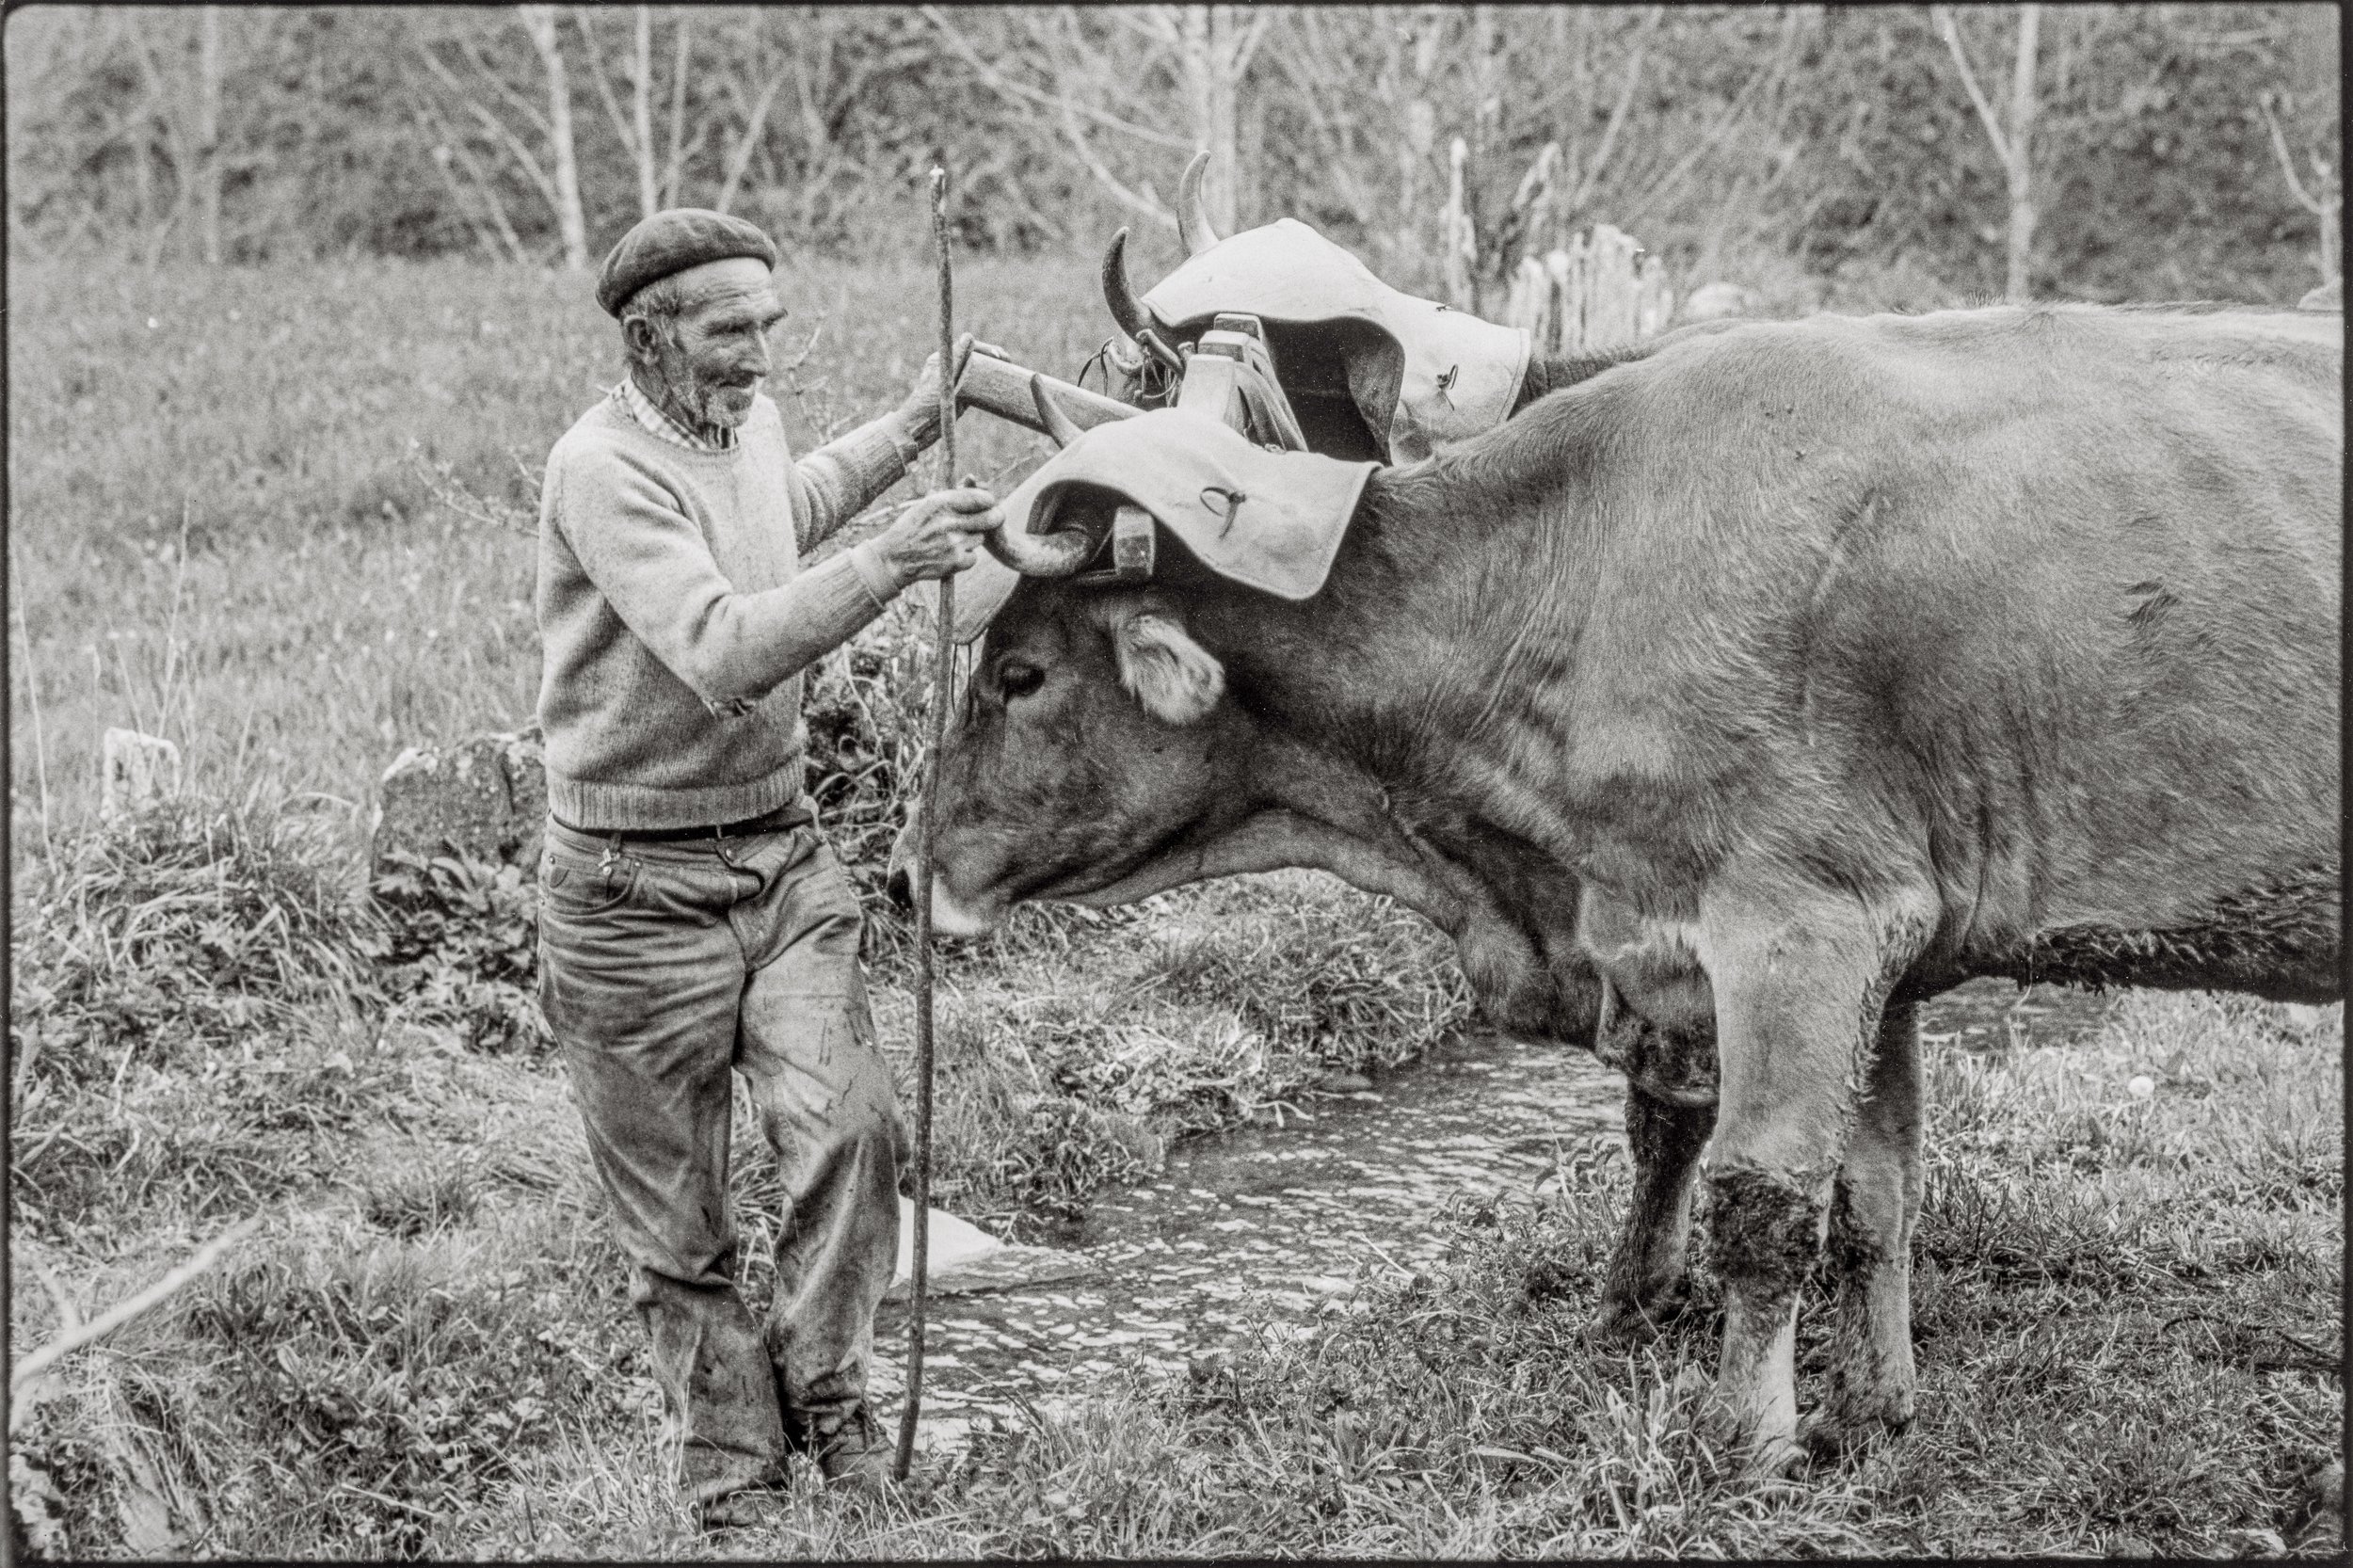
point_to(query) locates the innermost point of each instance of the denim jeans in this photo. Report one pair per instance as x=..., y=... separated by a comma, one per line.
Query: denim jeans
x=665, y=968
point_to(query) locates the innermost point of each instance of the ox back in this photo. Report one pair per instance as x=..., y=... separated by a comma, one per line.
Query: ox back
x=2041, y=606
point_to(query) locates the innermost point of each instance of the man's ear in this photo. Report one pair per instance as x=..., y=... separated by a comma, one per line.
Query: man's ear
x=641, y=338
x=1175, y=678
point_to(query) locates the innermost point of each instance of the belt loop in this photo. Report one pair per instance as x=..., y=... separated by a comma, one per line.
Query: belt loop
x=612, y=854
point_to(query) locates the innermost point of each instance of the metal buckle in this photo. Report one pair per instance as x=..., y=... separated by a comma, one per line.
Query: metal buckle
x=1133, y=542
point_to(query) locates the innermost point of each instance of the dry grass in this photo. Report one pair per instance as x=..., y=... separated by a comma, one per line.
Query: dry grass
x=431, y=1311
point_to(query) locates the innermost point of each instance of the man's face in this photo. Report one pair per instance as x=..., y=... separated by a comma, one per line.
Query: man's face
x=713, y=360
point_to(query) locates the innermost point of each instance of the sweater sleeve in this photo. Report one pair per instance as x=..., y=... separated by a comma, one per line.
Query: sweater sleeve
x=836, y=482
x=648, y=560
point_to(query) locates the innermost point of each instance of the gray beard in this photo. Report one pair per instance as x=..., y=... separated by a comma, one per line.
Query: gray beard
x=695, y=402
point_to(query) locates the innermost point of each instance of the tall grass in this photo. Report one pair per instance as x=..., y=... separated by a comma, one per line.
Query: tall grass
x=224, y=525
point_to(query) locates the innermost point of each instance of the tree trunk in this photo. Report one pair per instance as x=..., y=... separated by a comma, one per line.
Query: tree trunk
x=208, y=128
x=1459, y=237
x=641, y=113
x=1223, y=182
x=539, y=22
x=2020, y=287
x=680, y=51
x=1486, y=116
x=1213, y=50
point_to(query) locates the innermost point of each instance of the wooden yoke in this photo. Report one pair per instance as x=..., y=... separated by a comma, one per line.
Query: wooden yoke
x=1002, y=388
x=1229, y=375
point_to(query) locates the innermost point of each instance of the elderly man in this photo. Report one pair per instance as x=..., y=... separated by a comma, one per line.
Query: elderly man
x=692, y=921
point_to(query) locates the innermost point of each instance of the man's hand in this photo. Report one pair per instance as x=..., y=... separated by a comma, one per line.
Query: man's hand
x=936, y=536
x=923, y=400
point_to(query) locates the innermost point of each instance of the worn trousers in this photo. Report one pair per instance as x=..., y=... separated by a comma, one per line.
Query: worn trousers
x=666, y=968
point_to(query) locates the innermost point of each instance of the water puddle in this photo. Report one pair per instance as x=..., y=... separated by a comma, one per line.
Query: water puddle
x=1287, y=1214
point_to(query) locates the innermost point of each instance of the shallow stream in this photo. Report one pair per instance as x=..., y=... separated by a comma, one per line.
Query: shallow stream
x=1289, y=1213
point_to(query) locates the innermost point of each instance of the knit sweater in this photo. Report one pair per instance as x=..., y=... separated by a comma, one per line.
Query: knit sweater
x=674, y=620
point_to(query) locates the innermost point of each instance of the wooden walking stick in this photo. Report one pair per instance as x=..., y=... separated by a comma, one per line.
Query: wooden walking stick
x=935, y=726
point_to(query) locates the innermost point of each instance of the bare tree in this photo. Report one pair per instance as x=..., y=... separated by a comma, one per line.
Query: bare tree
x=492, y=228
x=2327, y=205
x=752, y=75
x=2013, y=143
x=1077, y=62
x=1213, y=46
x=657, y=178
x=539, y=22
x=208, y=128
x=167, y=128
x=483, y=85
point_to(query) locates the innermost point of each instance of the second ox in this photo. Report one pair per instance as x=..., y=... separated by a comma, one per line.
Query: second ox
x=1792, y=673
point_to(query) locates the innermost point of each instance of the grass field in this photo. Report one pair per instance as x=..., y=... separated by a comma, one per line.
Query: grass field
x=230, y=525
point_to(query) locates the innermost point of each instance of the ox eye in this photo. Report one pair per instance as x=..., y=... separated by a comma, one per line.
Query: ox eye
x=1020, y=680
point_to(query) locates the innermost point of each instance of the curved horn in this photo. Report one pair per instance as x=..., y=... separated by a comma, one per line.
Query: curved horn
x=1125, y=309
x=1060, y=553
x=1058, y=425
x=1193, y=214
x=1128, y=310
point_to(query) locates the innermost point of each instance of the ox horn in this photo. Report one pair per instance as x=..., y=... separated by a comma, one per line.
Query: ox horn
x=1127, y=311
x=1062, y=553
x=1058, y=425
x=1193, y=214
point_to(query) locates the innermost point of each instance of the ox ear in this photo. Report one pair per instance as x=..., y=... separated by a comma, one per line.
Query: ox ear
x=1175, y=678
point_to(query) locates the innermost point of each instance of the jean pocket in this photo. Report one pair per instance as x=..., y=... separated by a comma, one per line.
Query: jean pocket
x=577, y=892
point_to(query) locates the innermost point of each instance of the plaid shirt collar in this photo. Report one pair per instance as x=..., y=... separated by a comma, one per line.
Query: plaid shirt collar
x=650, y=415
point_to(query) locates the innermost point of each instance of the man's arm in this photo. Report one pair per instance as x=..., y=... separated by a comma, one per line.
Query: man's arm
x=649, y=561
x=840, y=479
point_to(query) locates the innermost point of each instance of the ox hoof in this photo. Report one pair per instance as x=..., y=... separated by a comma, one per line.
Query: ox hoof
x=1850, y=1426
x=1637, y=1317
x=1774, y=1458
x=1757, y=1455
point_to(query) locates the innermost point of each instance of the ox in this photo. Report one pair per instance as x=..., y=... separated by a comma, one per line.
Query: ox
x=1791, y=673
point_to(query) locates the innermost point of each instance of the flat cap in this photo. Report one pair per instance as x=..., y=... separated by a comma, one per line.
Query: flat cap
x=672, y=241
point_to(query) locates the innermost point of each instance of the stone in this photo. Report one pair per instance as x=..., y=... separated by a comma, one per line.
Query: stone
x=485, y=798
x=140, y=770
x=964, y=1259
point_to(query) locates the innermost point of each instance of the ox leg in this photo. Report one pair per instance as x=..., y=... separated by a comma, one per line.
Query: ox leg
x=1800, y=981
x=1871, y=1219
x=1649, y=1272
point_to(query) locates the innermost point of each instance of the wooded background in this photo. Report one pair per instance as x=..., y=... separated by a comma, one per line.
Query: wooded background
x=2097, y=151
